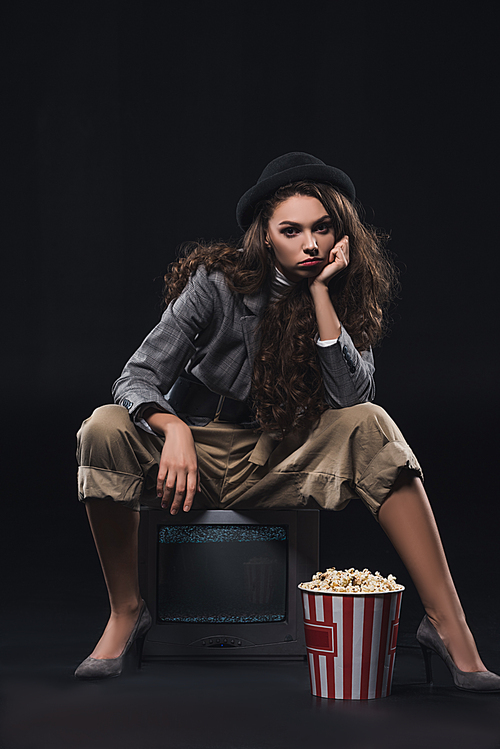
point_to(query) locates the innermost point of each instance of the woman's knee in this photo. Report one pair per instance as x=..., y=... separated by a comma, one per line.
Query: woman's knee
x=370, y=411
x=374, y=417
x=369, y=414
x=104, y=422
x=366, y=419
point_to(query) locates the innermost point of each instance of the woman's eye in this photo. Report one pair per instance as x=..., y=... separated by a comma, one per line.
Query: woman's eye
x=289, y=231
x=322, y=228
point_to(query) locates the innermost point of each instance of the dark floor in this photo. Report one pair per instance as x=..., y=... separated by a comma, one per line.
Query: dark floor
x=221, y=705
x=54, y=608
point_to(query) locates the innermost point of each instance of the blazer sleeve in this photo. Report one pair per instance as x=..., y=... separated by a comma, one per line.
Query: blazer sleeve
x=152, y=370
x=347, y=374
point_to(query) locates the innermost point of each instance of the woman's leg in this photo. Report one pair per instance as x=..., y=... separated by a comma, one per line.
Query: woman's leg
x=116, y=460
x=407, y=519
x=115, y=530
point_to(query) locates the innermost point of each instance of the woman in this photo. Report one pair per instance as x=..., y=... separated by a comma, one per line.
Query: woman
x=265, y=354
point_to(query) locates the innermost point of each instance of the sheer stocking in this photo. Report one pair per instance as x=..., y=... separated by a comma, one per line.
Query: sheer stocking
x=407, y=519
x=115, y=534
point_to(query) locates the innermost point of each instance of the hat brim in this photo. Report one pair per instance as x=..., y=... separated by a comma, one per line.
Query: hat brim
x=314, y=172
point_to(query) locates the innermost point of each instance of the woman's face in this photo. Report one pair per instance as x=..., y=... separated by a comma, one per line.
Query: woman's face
x=301, y=234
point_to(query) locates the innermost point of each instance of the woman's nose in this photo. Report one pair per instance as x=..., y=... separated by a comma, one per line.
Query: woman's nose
x=310, y=245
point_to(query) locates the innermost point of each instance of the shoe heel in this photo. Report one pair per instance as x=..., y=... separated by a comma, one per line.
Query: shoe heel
x=139, y=645
x=427, y=662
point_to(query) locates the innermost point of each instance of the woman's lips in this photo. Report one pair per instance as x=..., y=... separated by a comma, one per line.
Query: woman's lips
x=312, y=261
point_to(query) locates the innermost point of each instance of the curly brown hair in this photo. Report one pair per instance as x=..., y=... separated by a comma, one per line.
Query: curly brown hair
x=287, y=387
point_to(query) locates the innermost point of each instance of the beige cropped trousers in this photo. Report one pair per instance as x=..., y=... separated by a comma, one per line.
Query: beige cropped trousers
x=353, y=453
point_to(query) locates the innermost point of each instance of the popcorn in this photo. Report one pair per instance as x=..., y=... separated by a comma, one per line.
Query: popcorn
x=351, y=581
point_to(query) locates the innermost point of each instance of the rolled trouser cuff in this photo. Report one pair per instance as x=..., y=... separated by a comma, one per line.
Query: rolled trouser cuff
x=98, y=483
x=380, y=476
x=116, y=460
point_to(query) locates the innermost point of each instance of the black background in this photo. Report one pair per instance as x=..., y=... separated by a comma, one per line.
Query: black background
x=133, y=127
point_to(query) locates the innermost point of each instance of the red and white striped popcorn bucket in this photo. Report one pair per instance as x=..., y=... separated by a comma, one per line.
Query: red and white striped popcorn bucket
x=351, y=642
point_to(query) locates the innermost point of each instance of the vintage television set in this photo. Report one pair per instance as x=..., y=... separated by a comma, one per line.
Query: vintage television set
x=223, y=584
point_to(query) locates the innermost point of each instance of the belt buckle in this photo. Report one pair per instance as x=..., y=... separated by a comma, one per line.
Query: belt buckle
x=220, y=405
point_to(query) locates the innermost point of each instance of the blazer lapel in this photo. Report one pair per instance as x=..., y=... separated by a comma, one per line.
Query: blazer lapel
x=255, y=303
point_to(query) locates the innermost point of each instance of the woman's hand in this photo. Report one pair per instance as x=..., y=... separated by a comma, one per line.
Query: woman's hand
x=337, y=261
x=329, y=326
x=178, y=475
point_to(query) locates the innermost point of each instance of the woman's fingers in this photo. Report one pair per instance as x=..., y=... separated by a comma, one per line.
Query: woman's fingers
x=179, y=489
x=193, y=486
x=346, y=250
x=160, y=481
x=178, y=476
x=338, y=260
x=339, y=255
x=343, y=248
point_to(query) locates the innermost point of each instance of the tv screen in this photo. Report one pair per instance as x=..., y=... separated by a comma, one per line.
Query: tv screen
x=221, y=583
x=222, y=573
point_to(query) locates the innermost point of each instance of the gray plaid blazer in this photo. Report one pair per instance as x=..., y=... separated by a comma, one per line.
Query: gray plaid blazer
x=211, y=332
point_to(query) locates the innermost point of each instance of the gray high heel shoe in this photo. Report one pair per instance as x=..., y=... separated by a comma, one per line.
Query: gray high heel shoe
x=105, y=668
x=470, y=681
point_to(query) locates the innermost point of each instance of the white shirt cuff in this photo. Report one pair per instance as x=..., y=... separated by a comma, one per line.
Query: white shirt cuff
x=324, y=344
x=143, y=424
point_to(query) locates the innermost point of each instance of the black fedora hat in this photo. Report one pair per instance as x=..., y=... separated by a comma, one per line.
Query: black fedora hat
x=292, y=167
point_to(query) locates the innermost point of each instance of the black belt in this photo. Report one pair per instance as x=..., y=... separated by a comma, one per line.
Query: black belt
x=192, y=397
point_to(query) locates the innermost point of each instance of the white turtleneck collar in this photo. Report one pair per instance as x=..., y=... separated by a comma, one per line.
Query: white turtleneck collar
x=279, y=284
